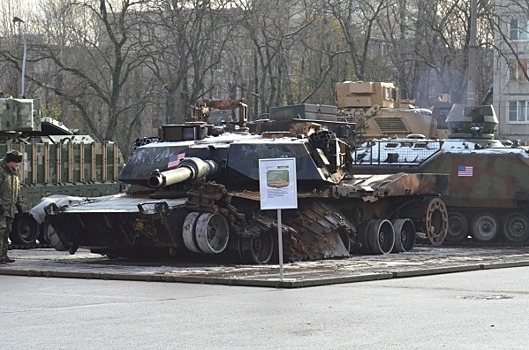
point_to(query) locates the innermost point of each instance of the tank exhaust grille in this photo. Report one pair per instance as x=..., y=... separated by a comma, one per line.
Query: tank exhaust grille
x=391, y=125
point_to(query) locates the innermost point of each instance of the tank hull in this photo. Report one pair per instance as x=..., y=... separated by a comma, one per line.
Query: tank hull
x=325, y=225
x=119, y=222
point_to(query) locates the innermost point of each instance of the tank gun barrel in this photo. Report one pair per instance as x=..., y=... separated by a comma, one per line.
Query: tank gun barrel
x=189, y=169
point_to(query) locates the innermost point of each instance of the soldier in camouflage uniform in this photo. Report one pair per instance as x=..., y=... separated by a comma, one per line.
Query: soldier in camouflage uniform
x=9, y=199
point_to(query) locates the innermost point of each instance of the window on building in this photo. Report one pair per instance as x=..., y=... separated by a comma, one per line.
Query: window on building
x=519, y=29
x=516, y=69
x=518, y=111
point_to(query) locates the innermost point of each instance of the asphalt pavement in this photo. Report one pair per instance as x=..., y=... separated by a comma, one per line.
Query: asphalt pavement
x=474, y=310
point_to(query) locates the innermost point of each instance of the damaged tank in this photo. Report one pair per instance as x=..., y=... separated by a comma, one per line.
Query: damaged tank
x=56, y=160
x=488, y=197
x=192, y=193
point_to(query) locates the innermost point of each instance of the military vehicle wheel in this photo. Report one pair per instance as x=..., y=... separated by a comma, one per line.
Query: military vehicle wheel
x=362, y=212
x=188, y=232
x=404, y=235
x=43, y=236
x=256, y=250
x=381, y=236
x=212, y=233
x=361, y=236
x=25, y=230
x=516, y=228
x=485, y=227
x=436, y=221
x=457, y=227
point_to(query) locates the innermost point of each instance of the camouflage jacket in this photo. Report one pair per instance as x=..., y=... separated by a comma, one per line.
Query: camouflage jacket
x=9, y=189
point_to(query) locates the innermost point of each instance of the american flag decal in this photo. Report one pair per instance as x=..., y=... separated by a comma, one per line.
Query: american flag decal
x=175, y=159
x=463, y=170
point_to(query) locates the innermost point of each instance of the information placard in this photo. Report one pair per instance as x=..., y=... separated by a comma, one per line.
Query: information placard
x=277, y=183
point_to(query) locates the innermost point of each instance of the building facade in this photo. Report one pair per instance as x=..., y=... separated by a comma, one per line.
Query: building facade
x=511, y=78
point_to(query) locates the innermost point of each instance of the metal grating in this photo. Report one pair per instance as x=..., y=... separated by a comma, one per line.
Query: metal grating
x=391, y=124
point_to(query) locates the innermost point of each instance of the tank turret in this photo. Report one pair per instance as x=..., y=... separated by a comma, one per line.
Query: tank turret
x=18, y=116
x=379, y=112
x=476, y=122
x=194, y=192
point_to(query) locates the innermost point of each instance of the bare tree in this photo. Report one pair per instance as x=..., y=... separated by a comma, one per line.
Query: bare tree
x=358, y=20
x=123, y=68
x=12, y=35
x=448, y=53
x=272, y=28
x=92, y=47
x=186, y=44
x=320, y=60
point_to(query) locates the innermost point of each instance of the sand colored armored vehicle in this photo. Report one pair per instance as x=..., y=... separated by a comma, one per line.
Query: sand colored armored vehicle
x=379, y=112
x=192, y=193
x=488, y=196
x=56, y=161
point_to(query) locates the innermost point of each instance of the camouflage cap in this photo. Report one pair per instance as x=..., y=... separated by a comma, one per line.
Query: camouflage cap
x=13, y=156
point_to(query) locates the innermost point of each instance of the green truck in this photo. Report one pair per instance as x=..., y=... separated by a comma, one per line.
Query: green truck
x=57, y=160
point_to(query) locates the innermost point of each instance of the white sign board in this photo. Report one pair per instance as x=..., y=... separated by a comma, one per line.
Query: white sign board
x=277, y=183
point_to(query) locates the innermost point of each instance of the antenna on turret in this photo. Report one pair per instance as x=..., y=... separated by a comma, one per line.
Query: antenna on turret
x=471, y=70
x=22, y=80
x=472, y=122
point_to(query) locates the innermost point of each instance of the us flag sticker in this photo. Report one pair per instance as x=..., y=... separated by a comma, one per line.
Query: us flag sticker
x=463, y=170
x=174, y=160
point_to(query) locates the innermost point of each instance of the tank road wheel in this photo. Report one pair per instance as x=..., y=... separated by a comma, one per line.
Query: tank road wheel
x=256, y=250
x=361, y=236
x=362, y=212
x=404, y=235
x=457, y=227
x=485, y=227
x=516, y=228
x=188, y=232
x=436, y=221
x=212, y=233
x=381, y=236
x=25, y=230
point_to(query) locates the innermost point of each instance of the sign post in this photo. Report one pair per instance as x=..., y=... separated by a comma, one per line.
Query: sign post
x=278, y=190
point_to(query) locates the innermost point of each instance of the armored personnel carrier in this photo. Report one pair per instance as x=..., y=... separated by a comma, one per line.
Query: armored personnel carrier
x=191, y=193
x=488, y=197
x=378, y=111
x=56, y=161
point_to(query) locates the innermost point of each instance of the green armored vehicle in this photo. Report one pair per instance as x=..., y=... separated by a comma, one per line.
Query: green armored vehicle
x=488, y=197
x=56, y=161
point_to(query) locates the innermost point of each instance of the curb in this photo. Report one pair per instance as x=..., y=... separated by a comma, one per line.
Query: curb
x=267, y=281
